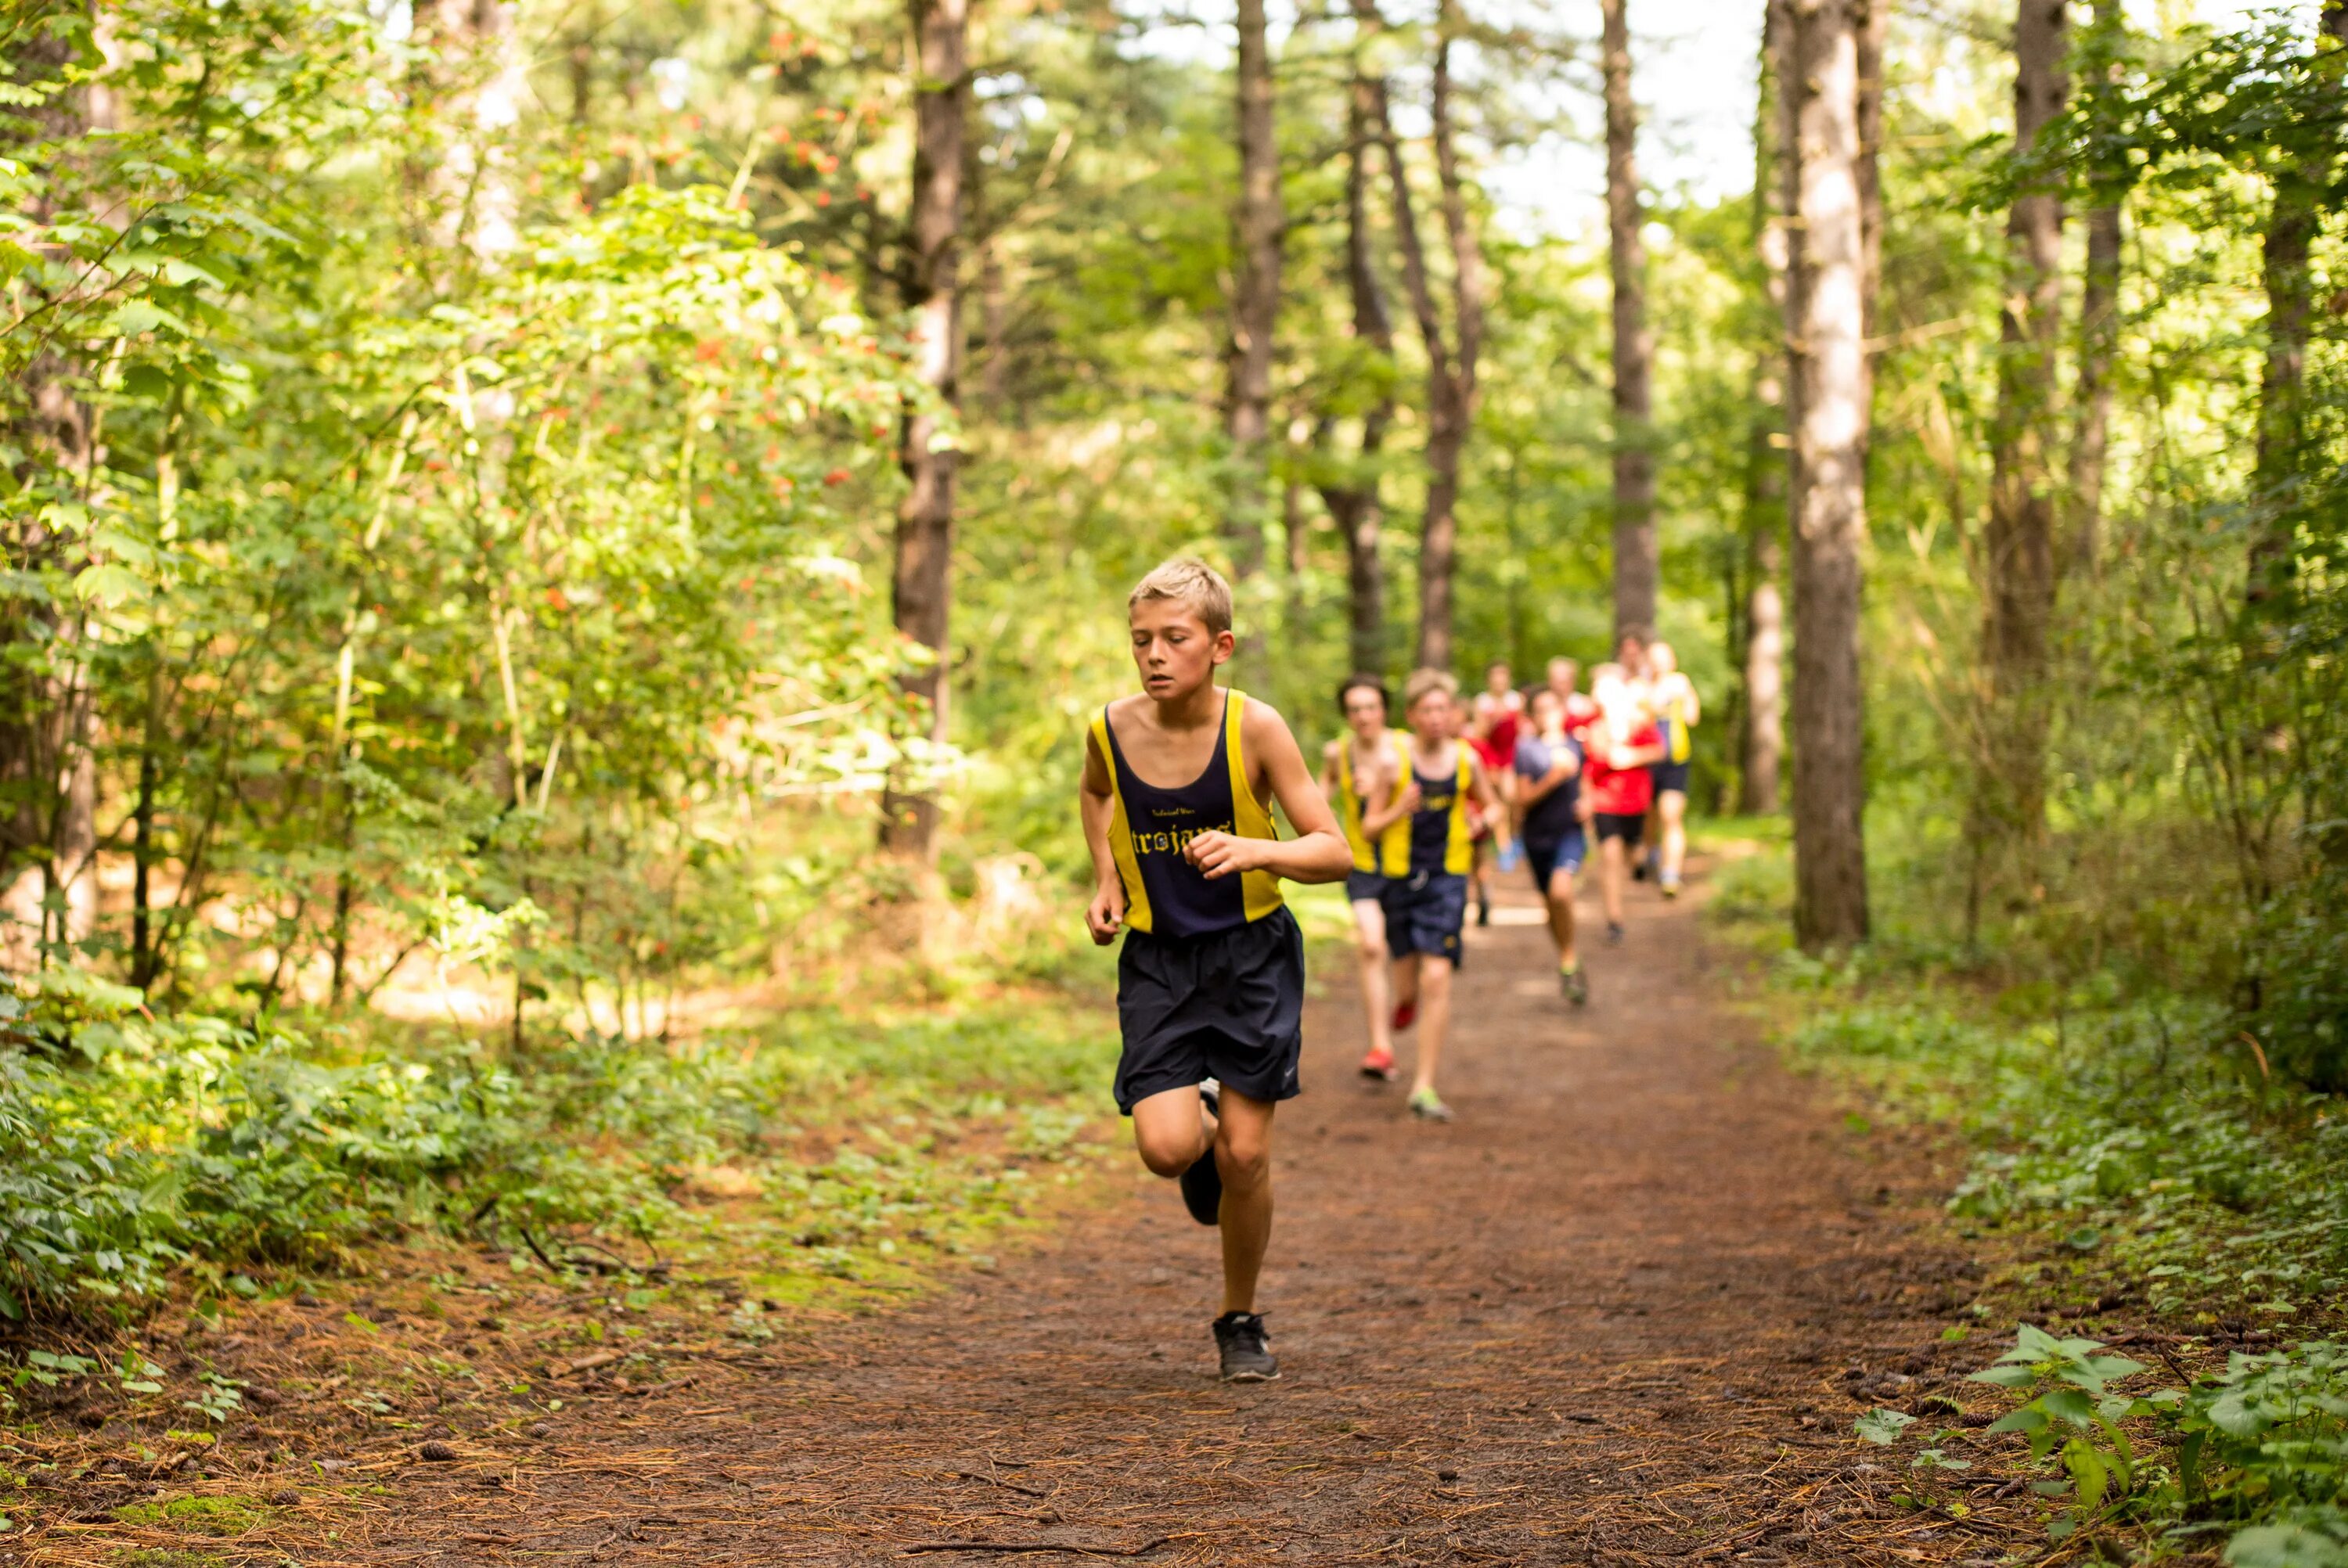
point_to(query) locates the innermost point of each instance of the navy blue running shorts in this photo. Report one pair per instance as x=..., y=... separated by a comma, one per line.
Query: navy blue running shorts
x=1545, y=860
x=1364, y=885
x=1669, y=775
x=1424, y=911
x=1228, y=1005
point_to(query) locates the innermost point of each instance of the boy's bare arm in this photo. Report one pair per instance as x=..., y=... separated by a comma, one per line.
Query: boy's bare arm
x=1318, y=854
x=1481, y=783
x=1095, y=806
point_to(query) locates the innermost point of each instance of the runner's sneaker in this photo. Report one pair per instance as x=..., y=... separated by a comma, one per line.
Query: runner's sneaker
x=1639, y=869
x=1380, y=1065
x=1613, y=933
x=1483, y=910
x=1202, y=1183
x=1670, y=888
x=1427, y=1107
x=1246, y=1350
x=1406, y=1014
x=1575, y=984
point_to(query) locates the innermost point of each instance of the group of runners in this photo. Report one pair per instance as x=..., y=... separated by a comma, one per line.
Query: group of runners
x=1531, y=776
x=1210, y=975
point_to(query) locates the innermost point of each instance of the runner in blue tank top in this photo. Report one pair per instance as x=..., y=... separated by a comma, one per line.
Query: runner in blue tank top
x=1177, y=786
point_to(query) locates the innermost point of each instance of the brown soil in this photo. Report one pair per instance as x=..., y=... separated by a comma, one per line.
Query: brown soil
x=1625, y=1309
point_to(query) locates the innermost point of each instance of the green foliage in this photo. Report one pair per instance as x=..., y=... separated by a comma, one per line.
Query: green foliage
x=2260, y=1447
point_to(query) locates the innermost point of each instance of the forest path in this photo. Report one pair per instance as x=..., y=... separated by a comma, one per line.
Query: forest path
x=1609, y=1315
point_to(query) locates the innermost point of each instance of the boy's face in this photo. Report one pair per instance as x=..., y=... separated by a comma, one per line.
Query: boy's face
x=1432, y=717
x=1497, y=679
x=1366, y=711
x=1561, y=674
x=1173, y=651
x=1546, y=712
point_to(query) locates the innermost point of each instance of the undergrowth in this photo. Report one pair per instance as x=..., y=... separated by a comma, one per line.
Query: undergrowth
x=134, y=1153
x=2144, y=1151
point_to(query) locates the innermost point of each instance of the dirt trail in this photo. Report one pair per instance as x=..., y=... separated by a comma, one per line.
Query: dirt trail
x=1610, y=1316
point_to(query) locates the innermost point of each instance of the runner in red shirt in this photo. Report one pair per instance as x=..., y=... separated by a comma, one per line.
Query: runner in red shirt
x=1491, y=727
x=1622, y=741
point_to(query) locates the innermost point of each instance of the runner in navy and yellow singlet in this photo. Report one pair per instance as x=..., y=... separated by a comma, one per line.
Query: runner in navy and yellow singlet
x=1177, y=782
x=1427, y=907
x=1361, y=772
x=1671, y=697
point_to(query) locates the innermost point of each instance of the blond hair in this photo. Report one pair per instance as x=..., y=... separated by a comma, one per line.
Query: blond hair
x=1422, y=682
x=1193, y=584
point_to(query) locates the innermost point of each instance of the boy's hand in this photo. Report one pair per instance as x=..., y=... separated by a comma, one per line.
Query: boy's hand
x=1410, y=799
x=1104, y=914
x=1219, y=854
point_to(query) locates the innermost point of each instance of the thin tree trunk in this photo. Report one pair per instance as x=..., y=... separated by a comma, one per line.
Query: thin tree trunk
x=1352, y=500
x=1825, y=328
x=2292, y=221
x=1874, y=27
x=1637, y=562
x=2019, y=544
x=925, y=522
x=1761, y=726
x=1450, y=367
x=1257, y=223
x=2098, y=327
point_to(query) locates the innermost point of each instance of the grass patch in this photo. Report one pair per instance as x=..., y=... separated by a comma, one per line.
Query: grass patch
x=223, y=1515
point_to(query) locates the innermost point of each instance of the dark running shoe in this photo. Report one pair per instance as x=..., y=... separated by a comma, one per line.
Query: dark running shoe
x=1575, y=984
x=1483, y=910
x=1246, y=1352
x=1202, y=1183
x=1639, y=869
x=1613, y=934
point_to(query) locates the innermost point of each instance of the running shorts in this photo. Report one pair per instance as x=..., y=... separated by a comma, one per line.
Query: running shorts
x=1364, y=885
x=1545, y=860
x=1628, y=829
x=1228, y=1005
x=1424, y=911
x=1669, y=775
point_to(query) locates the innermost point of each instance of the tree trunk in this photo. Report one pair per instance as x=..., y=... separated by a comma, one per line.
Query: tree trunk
x=1450, y=366
x=925, y=522
x=1761, y=721
x=1354, y=503
x=2291, y=224
x=1637, y=563
x=2019, y=545
x=1826, y=328
x=2098, y=320
x=480, y=207
x=1256, y=224
x=1874, y=26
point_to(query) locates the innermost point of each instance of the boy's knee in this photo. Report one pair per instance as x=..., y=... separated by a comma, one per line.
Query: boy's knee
x=1373, y=949
x=1245, y=1164
x=1167, y=1157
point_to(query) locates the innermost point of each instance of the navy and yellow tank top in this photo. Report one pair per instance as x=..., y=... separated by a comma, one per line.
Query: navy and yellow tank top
x=1439, y=839
x=1164, y=895
x=1673, y=723
x=1390, y=855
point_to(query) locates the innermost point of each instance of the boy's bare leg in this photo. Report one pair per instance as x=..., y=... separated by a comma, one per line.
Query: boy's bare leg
x=1406, y=981
x=1243, y=1155
x=1171, y=1129
x=1370, y=945
x=1612, y=854
x=1433, y=1019
x=1671, y=807
x=1561, y=916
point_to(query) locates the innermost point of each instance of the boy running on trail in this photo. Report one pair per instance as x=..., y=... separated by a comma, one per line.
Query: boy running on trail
x=1210, y=981
x=1621, y=741
x=1361, y=770
x=1494, y=720
x=1677, y=709
x=1426, y=907
x=1549, y=790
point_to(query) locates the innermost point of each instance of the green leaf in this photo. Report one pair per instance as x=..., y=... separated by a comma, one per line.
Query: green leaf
x=1881, y=1426
x=2285, y=1546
